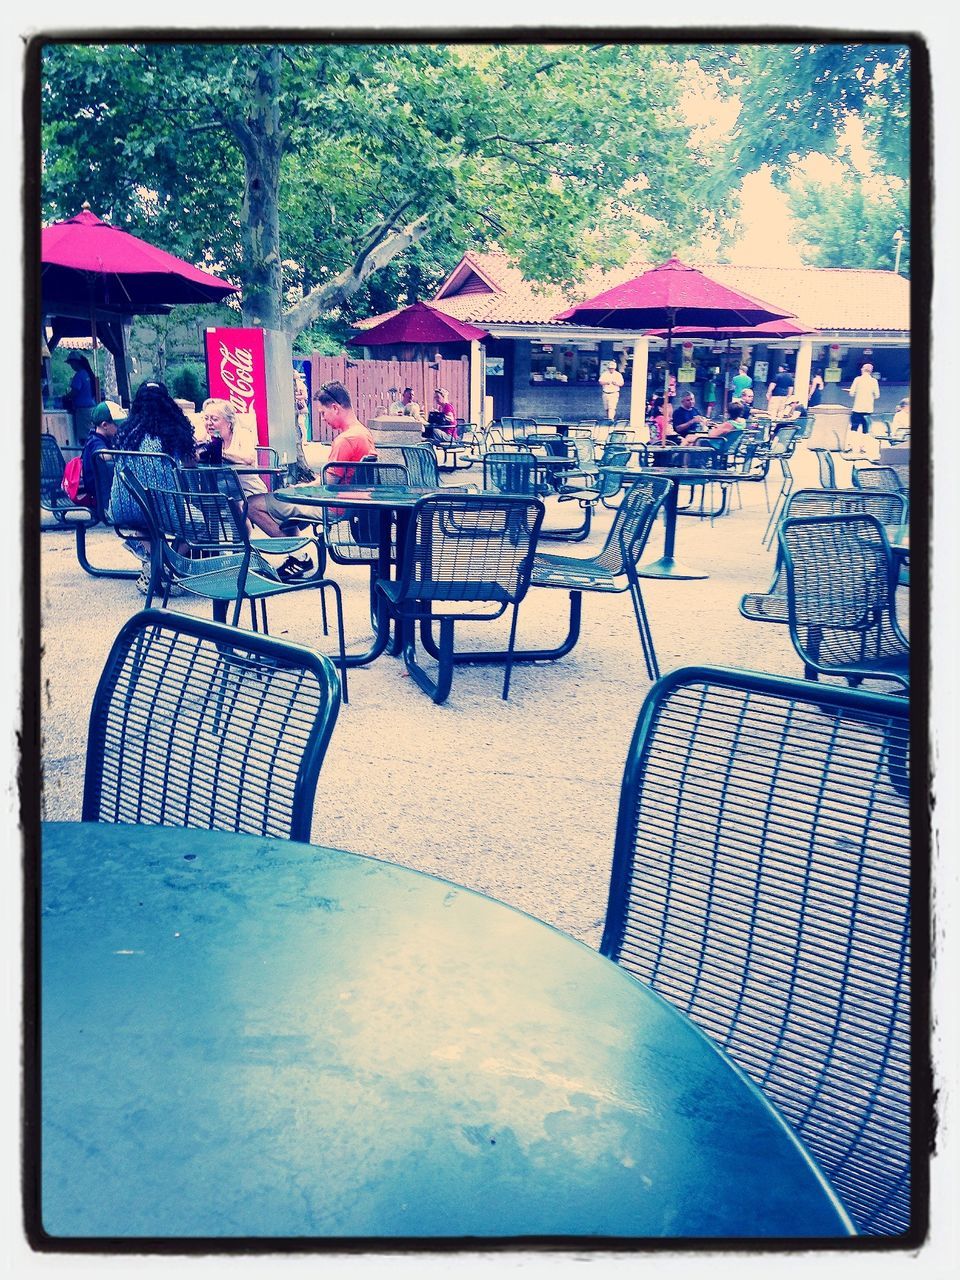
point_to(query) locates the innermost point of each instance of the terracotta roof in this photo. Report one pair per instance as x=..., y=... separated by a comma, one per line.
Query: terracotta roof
x=824, y=298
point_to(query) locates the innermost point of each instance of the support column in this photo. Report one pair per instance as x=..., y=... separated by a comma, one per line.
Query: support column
x=475, y=382
x=638, y=386
x=801, y=377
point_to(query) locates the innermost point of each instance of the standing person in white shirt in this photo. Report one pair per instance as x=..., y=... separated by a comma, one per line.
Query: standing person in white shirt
x=865, y=391
x=610, y=383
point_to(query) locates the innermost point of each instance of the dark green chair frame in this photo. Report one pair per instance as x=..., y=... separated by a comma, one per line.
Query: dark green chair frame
x=614, y=567
x=197, y=724
x=841, y=598
x=889, y=508
x=761, y=884
x=461, y=549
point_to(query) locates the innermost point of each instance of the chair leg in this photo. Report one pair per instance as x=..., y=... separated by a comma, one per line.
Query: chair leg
x=509, y=663
x=338, y=599
x=253, y=613
x=646, y=635
x=323, y=611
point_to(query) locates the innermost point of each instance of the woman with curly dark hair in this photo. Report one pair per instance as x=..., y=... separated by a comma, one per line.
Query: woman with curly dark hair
x=156, y=425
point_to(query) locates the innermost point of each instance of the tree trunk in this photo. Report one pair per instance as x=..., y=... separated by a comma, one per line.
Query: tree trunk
x=262, y=141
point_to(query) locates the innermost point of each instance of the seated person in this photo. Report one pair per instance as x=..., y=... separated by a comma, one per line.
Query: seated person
x=901, y=419
x=394, y=403
x=686, y=419
x=717, y=436
x=408, y=406
x=442, y=421
x=744, y=401
x=353, y=442
x=230, y=443
x=103, y=429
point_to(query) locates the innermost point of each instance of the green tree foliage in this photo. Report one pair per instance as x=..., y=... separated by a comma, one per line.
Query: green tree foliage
x=799, y=98
x=361, y=152
x=849, y=220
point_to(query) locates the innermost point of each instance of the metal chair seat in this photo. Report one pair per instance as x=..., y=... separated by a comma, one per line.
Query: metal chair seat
x=575, y=573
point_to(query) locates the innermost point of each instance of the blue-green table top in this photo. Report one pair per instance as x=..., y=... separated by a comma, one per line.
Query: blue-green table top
x=245, y=1037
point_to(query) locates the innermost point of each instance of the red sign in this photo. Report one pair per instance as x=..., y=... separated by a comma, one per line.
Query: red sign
x=237, y=371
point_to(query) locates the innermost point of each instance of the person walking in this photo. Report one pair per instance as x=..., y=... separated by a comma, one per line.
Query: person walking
x=779, y=391
x=865, y=391
x=611, y=380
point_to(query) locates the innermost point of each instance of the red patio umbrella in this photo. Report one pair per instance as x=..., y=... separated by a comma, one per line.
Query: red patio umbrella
x=418, y=323
x=86, y=260
x=669, y=295
x=88, y=267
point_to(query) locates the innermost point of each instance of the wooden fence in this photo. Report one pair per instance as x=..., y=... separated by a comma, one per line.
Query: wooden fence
x=368, y=382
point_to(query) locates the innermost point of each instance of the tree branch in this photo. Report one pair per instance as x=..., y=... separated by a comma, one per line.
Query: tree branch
x=382, y=248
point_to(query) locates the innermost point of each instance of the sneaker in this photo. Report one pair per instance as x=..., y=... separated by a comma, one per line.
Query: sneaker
x=136, y=548
x=143, y=582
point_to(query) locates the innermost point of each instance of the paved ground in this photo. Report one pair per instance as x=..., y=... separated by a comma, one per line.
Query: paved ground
x=517, y=799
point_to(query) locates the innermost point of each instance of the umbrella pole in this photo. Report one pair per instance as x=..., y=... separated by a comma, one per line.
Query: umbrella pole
x=726, y=380
x=667, y=413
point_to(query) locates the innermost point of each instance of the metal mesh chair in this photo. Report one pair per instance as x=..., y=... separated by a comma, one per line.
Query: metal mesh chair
x=467, y=557
x=520, y=471
x=870, y=477
x=614, y=566
x=196, y=724
x=419, y=460
x=889, y=508
x=199, y=542
x=353, y=537
x=53, y=500
x=827, y=467
x=841, y=583
x=761, y=884
x=462, y=453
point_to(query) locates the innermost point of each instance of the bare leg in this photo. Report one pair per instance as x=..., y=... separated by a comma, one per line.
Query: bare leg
x=258, y=515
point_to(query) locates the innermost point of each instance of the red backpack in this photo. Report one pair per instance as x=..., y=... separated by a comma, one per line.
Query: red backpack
x=72, y=483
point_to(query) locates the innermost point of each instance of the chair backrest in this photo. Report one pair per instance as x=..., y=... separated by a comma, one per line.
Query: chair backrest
x=197, y=724
x=510, y=471
x=364, y=474
x=613, y=455
x=632, y=523
x=353, y=536
x=471, y=547
x=52, y=463
x=870, y=477
x=784, y=441
x=889, y=508
x=114, y=501
x=419, y=460
x=828, y=471
x=761, y=884
x=841, y=583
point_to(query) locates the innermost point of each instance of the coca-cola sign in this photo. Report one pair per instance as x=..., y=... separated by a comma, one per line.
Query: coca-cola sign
x=236, y=371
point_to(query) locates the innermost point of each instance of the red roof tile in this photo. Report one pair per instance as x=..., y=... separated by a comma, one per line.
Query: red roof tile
x=824, y=298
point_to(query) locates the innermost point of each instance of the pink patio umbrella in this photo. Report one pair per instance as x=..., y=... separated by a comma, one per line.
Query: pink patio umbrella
x=418, y=323
x=90, y=267
x=667, y=296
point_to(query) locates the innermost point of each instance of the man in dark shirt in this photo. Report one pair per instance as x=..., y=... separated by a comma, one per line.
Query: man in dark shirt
x=779, y=391
x=102, y=431
x=685, y=417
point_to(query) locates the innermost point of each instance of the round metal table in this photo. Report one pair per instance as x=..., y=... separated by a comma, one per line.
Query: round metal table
x=245, y=1037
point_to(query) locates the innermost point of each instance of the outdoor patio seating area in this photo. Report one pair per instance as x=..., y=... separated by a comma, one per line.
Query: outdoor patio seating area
x=482, y=770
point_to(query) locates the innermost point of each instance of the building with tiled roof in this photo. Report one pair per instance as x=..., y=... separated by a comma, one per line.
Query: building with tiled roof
x=536, y=364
